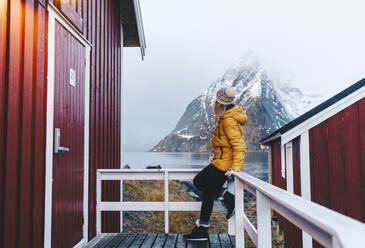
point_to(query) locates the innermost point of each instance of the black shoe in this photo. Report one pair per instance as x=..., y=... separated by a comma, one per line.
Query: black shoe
x=199, y=233
x=228, y=202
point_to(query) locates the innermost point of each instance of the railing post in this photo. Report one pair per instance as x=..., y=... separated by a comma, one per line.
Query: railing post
x=231, y=221
x=98, y=202
x=166, y=201
x=263, y=212
x=121, y=200
x=239, y=206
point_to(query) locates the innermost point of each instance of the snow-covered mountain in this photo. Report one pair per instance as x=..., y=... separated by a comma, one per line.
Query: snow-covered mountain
x=268, y=106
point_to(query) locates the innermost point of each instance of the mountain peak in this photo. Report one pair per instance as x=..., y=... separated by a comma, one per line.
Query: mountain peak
x=267, y=107
x=246, y=62
x=248, y=59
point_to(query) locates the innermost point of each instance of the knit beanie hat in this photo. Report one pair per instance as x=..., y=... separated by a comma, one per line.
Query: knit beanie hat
x=225, y=96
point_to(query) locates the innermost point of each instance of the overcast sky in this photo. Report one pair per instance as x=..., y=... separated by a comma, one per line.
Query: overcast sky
x=319, y=45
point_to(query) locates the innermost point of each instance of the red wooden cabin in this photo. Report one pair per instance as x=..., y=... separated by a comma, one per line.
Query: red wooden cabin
x=321, y=157
x=60, y=115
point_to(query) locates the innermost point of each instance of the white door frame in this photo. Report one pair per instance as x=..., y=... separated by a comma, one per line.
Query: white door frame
x=53, y=16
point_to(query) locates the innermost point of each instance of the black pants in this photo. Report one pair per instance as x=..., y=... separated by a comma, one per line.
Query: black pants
x=210, y=181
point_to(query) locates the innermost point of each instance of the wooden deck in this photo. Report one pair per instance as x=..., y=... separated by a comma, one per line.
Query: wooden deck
x=133, y=240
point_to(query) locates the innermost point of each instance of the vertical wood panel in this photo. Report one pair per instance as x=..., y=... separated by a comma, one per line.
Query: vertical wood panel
x=296, y=235
x=12, y=159
x=3, y=89
x=118, y=93
x=276, y=153
x=336, y=161
x=362, y=152
x=23, y=109
x=112, y=87
x=104, y=103
x=319, y=167
x=39, y=102
x=319, y=164
x=26, y=126
x=352, y=162
x=296, y=166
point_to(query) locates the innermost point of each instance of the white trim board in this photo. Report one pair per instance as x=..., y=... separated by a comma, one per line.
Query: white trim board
x=53, y=16
x=305, y=177
x=283, y=166
x=305, y=183
x=323, y=115
x=289, y=167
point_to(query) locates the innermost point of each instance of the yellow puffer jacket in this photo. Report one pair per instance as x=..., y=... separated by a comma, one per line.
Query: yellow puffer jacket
x=228, y=140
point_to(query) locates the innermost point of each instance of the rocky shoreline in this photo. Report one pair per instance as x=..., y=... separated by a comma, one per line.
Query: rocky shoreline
x=181, y=222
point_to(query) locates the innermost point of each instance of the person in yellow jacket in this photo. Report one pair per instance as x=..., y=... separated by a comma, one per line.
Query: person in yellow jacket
x=227, y=157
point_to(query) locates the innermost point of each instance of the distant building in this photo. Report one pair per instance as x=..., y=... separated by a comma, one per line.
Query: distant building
x=321, y=157
x=60, y=115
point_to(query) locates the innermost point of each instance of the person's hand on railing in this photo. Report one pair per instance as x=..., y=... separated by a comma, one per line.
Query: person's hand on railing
x=229, y=172
x=211, y=157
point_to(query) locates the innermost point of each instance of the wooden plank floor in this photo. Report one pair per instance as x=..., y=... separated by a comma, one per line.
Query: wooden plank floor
x=161, y=240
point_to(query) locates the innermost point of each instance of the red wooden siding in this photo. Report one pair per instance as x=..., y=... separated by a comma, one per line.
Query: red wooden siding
x=292, y=234
x=337, y=165
x=352, y=157
x=362, y=150
x=3, y=69
x=22, y=122
x=74, y=11
x=296, y=166
x=336, y=160
x=23, y=47
x=103, y=31
x=68, y=167
x=278, y=180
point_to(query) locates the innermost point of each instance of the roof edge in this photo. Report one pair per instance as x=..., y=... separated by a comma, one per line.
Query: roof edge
x=142, y=40
x=269, y=138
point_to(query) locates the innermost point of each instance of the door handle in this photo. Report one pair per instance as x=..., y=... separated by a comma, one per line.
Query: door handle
x=57, y=142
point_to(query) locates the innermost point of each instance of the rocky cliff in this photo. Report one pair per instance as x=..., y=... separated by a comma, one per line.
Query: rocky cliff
x=268, y=107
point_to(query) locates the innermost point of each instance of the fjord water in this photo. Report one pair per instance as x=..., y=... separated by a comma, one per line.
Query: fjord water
x=256, y=163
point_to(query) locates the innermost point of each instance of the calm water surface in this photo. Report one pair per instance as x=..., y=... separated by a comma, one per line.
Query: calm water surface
x=256, y=163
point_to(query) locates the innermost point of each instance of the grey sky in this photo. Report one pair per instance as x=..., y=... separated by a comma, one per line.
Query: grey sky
x=318, y=45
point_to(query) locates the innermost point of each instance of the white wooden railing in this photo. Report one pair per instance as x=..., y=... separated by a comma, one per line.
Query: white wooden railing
x=328, y=227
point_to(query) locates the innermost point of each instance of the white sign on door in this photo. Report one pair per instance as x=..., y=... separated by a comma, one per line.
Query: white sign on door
x=72, y=77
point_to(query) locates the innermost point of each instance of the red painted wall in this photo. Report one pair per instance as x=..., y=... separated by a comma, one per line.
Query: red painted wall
x=292, y=234
x=22, y=122
x=296, y=166
x=337, y=162
x=69, y=116
x=23, y=53
x=278, y=180
x=101, y=26
x=103, y=31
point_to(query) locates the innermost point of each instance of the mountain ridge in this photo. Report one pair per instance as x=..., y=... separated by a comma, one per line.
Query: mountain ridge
x=268, y=108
